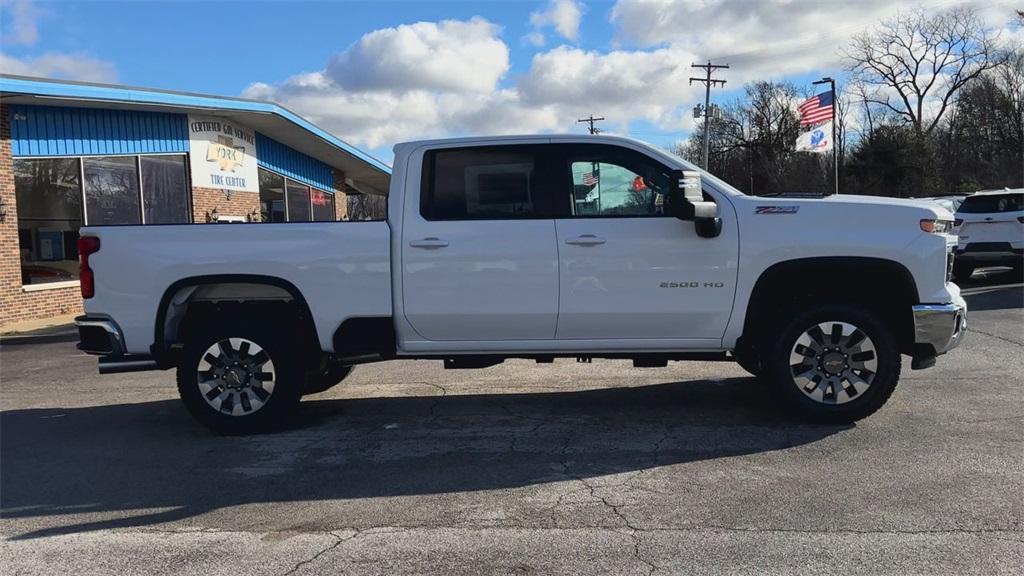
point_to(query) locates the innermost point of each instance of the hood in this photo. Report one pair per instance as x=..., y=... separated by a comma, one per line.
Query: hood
x=885, y=201
x=859, y=203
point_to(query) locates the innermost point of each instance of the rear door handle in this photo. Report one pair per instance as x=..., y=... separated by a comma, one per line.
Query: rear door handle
x=585, y=240
x=429, y=243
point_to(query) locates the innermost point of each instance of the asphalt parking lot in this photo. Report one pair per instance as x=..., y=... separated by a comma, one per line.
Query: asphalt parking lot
x=521, y=469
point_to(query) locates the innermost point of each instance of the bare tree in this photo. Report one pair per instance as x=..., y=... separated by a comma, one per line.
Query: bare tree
x=1011, y=75
x=752, y=143
x=915, y=63
x=366, y=206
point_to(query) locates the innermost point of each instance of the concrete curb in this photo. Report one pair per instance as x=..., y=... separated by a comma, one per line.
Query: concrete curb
x=50, y=334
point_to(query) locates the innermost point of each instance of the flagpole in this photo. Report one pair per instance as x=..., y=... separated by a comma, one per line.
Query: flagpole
x=835, y=145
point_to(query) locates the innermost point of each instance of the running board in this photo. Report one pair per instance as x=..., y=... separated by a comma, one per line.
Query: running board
x=127, y=364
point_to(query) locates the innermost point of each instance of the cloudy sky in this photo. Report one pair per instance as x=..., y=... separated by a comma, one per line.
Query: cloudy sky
x=376, y=73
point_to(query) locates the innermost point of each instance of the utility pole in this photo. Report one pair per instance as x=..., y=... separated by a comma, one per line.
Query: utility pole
x=835, y=145
x=708, y=84
x=591, y=120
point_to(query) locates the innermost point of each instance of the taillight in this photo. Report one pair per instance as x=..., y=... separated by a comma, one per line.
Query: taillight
x=87, y=245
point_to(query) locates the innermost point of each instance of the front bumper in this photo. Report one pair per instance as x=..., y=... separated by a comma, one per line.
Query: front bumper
x=938, y=328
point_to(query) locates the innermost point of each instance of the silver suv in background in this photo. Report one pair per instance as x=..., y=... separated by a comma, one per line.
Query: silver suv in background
x=990, y=227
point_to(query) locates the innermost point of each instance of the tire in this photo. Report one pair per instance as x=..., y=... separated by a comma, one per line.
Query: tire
x=832, y=380
x=327, y=378
x=962, y=272
x=254, y=378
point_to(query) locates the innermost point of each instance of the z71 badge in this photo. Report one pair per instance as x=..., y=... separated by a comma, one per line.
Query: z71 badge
x=776, y=210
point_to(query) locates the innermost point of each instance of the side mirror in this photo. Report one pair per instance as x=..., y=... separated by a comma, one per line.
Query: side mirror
x=686, y=202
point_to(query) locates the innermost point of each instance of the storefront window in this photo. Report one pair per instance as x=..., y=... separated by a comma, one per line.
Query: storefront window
x=298, y=202
x=111, y=190
x=323, y=206
x=49, y=199
x=271, y=196
x=165, y=189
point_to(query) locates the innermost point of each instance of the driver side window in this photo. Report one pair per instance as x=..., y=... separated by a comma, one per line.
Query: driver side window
x=611, y=181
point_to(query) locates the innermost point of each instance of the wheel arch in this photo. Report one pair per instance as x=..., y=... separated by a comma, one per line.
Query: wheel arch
x=219, y=287
x=879, y=283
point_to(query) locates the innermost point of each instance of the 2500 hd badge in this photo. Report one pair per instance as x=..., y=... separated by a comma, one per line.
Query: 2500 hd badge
x=692, y=285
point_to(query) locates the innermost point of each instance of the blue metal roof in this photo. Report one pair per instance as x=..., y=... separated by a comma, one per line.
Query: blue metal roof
x=59, y=131
x=100, y=93
x=293, y=164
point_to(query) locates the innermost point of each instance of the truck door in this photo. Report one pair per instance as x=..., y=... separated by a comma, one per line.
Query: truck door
x=628, y=270
x=479, y=259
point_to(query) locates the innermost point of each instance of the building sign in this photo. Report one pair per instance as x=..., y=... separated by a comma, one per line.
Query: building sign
x=223, y=154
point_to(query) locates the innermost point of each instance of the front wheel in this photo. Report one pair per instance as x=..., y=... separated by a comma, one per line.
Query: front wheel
x=240, y=379
x=835, y=364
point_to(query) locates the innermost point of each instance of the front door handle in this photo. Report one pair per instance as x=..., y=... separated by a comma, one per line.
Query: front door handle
x=429, y=243
x=585, y=240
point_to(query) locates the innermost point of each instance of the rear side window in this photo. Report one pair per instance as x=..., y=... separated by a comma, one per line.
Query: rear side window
x=489, y=183
x=989, y=203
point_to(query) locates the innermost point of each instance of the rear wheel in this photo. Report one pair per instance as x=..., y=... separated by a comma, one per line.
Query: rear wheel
x=835, y=364
x=239, y=379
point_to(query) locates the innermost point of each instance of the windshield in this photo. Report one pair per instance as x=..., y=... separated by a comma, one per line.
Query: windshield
x=989, y=203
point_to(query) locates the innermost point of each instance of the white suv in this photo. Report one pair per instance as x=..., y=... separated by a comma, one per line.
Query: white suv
x=990, y=226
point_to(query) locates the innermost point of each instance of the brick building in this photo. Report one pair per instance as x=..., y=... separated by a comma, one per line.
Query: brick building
x=76, y=154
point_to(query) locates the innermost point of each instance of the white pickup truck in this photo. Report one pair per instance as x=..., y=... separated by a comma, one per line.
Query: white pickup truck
x=532, y=247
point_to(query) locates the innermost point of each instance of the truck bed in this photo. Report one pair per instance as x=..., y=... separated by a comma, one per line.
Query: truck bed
x=341, y=269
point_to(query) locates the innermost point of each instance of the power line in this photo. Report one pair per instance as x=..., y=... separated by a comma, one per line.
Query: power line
x=591, y=120
x=708, y=82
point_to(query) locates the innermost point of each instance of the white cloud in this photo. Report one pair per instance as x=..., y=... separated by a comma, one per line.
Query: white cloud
x=563, y=15
x=21, y=27
x=561, y=85
x=535, y=39
x=451, y=55
x=452, y=77
x=769, y=38
x=620, y=85
x=60, y=65
x=381, y=118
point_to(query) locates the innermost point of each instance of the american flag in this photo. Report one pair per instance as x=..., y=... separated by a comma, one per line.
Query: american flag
x=816, y=109
x=591, y=178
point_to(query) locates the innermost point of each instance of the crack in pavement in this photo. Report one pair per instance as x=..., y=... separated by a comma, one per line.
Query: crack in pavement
x=394, y=529
x=437, y=399
x=634, y=532
x=338, y=540
x=996, y=336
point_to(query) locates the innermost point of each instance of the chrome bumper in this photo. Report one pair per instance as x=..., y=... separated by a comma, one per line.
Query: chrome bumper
x=940, y=326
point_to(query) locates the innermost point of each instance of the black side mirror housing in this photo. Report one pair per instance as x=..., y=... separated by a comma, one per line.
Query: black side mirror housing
x=686, y=202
